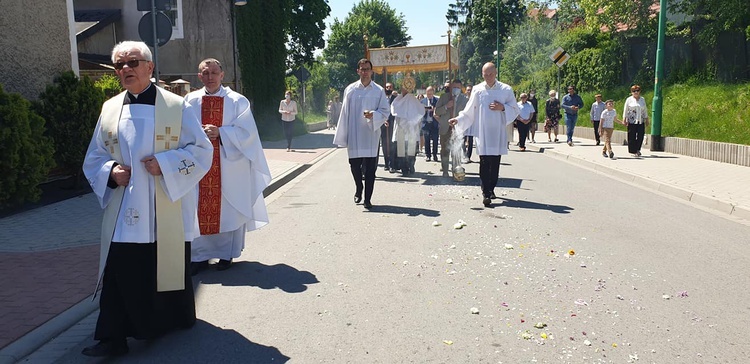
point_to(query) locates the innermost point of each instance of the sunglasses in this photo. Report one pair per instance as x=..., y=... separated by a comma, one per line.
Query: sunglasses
x=636, y=90
x=133, y=63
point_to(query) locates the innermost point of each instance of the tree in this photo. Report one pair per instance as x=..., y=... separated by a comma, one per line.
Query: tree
x=712, y=17
x=272, y=37
x=637, y=17
x=374, y=18
x=71, y=108
x=481, y=30
x=526, y=55
x=25, y=152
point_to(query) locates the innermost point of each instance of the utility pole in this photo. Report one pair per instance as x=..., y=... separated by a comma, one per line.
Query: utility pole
x=497, y=35
x=656, y=106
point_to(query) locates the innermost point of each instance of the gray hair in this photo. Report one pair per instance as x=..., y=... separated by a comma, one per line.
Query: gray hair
x=130, y=45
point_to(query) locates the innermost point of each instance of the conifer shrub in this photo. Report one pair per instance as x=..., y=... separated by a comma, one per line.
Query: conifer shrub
x=26, y=154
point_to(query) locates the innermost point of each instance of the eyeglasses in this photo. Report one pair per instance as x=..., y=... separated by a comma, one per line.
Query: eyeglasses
x=133, y=63
x=636, y=91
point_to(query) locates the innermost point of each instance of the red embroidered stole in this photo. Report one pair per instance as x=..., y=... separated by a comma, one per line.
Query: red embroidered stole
x=209, y=193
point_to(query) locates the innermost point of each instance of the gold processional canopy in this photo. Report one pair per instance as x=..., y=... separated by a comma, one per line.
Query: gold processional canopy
x=414, y=59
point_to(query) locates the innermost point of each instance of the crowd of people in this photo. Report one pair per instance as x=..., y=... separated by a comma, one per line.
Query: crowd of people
x=374, y=119
x=195, y=166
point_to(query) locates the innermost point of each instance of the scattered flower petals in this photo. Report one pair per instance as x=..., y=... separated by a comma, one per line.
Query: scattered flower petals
x=508, y=246
x=449, y=261
x=581, y=302
x=543, y=335
x=436, y=223
x=620, y=297
x=587, y=342
x=540, y=325
x=474, y=311
x=666, y=296
x=447, y=342
x=526, y=335
x=571, y=252
x=682, y=294
x=614, y=345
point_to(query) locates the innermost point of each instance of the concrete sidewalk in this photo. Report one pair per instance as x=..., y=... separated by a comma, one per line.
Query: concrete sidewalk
x=721, y=187
x=49, y=255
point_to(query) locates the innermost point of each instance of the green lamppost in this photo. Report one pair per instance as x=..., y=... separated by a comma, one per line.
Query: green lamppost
x=656, y=141
x=497, y=35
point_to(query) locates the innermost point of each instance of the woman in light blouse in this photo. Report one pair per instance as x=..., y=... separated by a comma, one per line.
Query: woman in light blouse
x=635, y=116
x=288, y=110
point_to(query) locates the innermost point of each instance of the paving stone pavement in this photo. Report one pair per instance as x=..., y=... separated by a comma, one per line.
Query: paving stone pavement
x=49, y=260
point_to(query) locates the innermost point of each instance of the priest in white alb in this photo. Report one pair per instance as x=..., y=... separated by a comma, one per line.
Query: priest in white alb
x=230, y=196
x=146, y=157
x=407, y=112
x=365, y=109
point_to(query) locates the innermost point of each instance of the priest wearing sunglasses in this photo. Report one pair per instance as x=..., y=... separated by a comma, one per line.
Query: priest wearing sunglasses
x=145, y=159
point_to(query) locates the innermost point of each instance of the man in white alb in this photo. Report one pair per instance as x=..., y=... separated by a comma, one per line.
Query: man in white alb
x=147, y=154
x=230, y=196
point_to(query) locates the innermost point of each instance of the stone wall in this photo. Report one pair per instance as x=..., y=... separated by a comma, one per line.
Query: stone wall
x=35, y=45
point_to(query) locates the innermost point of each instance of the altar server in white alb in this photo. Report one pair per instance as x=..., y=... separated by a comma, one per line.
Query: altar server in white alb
x=365, y=109
x=407, y=112
x=491, y=108
x=145, y=159
x=230, y=196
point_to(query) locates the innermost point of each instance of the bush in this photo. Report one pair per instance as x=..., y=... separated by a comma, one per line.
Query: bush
x=25, y=153
x=71, y=108
x=109, y=84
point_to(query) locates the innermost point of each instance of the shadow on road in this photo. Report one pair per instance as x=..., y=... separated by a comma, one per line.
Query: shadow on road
x=558, y=209
x=256, y=274
x=204, y=343
x=411, y=211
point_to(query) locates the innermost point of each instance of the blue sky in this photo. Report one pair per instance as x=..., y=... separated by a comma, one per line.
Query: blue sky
x=425, y=19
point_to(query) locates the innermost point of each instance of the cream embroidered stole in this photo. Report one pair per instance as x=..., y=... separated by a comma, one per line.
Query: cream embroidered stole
x=170, y=233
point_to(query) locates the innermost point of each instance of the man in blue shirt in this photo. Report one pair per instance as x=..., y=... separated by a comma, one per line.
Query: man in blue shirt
x=571, y=103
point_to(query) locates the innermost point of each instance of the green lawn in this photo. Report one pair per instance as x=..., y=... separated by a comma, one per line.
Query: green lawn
x=715, y=112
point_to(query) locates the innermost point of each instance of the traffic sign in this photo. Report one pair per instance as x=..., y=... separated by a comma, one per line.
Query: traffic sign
x=163, y=29
x=302, y=74
x=559, y=57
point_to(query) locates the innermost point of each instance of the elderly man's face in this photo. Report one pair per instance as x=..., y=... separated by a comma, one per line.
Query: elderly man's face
x=134, y=79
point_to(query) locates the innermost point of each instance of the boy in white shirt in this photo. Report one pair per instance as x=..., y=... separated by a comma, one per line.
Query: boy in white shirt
x=607, y=126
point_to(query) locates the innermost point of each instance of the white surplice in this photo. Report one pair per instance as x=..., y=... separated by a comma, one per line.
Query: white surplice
x=408, y=111
x=244, y=176
x=355, y=132
x=182, y=168
x=489, y=125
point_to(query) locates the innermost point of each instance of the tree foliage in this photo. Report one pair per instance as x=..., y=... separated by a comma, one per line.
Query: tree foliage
x=274, y=36
x=109, y=84
x=374, y=18
x=639, y=18
x=480, y=30
x=526, y=56
x=712, y=17
x=71, y=108
x=25, y=151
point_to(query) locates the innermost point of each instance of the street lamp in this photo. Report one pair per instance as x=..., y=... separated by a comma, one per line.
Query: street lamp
x=234, y=44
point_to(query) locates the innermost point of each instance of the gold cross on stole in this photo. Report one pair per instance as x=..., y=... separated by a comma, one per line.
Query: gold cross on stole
x=167, y=137
x=110, y=142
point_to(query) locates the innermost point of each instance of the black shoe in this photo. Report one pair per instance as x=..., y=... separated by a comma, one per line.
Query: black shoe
x=197, y=267
x=611, y=155
x=604, y=154
x=392, y=170
x=223, y=264
x=428, y=159
x=368, y=205
x=492, y=196
x=435, y=160
x=385, y=169
x=357, y=198
x=597, y=142
x=107, y=348
x=486, y=201
x=638, y=153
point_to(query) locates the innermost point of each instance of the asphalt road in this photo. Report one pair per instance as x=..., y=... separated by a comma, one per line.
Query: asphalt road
x=568, y=266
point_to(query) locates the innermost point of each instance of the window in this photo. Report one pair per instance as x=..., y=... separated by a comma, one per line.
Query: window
x=175, y=16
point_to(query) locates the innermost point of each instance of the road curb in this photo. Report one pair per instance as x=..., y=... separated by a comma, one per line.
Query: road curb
x=708, y=202
x=36, y=338
x=32, y=341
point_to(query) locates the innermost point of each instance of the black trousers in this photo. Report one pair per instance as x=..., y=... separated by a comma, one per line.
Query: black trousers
x=636, y=134
x=431, y=142
x=368, y=167
x=386, y=144
x=489, y=171
x=596, y=129
x=288, y=132
x=523, y=133
x=129, y=304
x=468, y=146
